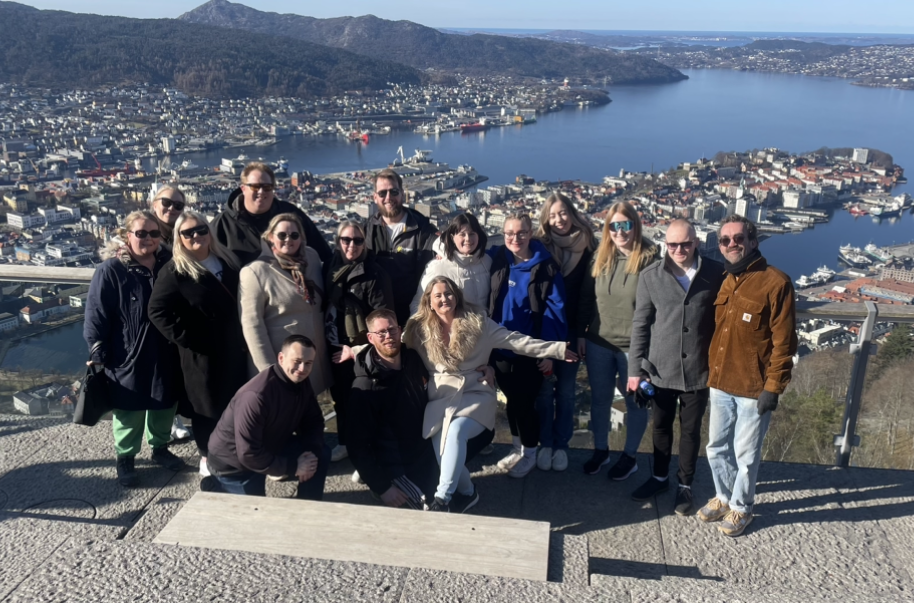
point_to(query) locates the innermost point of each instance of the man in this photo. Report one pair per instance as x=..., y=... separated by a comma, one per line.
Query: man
x=401, y=239
x=750, y=362
x=248, y=213
x=671, y=333
x=273, y=426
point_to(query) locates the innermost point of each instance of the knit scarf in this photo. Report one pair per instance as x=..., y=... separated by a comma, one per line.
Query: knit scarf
x=297, y=267
x=168, y=231
x=568, y=249
x=739, y=267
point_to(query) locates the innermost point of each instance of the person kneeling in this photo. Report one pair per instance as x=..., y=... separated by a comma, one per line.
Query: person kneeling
x=273, y=426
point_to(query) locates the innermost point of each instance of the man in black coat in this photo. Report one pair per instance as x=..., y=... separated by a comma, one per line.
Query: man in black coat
x=248, y=213
x=401, y=239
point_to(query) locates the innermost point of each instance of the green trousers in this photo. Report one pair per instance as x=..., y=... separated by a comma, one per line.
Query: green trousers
x=129, y=425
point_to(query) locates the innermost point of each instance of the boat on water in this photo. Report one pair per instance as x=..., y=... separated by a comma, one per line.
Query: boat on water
x=474, y=127
x=853, y=256
x=881, y=255
x=856, y=210
x=819, y=277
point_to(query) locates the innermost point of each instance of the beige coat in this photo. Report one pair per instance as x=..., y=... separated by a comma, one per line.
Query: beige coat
x=454, y=389
x=272, y=309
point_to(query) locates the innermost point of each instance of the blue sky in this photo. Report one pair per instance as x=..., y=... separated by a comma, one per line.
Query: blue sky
x=831, y=16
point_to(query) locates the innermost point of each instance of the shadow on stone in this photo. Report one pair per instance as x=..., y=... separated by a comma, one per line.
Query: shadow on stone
x=645, y=571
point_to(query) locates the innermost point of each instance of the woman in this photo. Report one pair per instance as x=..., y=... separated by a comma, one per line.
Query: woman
x=606, y=312
x=454, y=339
x=356, y=286
x=462, y=252
x=139, y=362
x=570, y=241
x=194, y=305
x=280, y=295
x=528, y=296
x=167, y=206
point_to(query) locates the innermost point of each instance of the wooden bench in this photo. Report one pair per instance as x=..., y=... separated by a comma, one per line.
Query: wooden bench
x=473, y=544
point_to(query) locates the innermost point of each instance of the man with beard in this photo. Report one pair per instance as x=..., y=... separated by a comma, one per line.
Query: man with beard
x=248, y=212
x=386, y=412
x=750, y=362
x=401, y=239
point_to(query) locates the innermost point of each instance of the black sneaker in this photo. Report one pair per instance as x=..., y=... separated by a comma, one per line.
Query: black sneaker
x=439, y=506
x=599, y=458
x=649, y=489
x=461, y=503
x=625, y=466
x=163, y=456
x=684, y=505
x=126, y=474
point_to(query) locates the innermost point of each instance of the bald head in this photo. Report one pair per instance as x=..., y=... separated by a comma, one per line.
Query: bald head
x=682, y=243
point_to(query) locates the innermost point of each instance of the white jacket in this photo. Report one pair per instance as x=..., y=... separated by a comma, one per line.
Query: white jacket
x=470, y=272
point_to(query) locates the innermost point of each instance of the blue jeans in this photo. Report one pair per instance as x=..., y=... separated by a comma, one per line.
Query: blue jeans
x=607, y=370
x=255, y=484
x=555, y=406
x=735, y=437
x=454, y=473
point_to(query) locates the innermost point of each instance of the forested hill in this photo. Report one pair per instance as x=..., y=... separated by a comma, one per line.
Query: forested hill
x=426, y=48
x=69, y=50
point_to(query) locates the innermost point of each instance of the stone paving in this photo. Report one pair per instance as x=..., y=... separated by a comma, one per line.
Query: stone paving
x=69, y=532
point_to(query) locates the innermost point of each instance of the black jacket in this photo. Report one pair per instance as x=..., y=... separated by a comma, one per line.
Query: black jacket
x=573, y=282
x=201, y=318
x=404, y=259
x=355, y=291
x=240, y=231
x=542, y=277
x=385, y=414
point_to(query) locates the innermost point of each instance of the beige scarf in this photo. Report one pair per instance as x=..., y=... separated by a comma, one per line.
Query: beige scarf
x=568, y=249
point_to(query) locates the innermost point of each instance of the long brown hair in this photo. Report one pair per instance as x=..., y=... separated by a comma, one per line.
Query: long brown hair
x=544, y=231
x=605, y=258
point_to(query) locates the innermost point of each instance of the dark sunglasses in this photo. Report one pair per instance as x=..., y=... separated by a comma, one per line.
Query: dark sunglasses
x=201, y=230
x=352, y=240
x=169, y=203
x=393, y=192
x=257, y=186
x=142, y=234
x=282, y=236
x=739, y=239
x=685, y=246
x=623, y=226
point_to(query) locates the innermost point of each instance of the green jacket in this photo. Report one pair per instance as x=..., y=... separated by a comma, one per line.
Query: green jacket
x=607, y=304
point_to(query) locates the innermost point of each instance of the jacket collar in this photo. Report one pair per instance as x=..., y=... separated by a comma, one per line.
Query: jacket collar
x=411, y=222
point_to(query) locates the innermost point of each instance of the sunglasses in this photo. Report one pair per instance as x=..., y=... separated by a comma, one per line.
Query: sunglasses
x=739, y=239
x=358, y=241
x=623, y=226
x=393, y=192
x=190, y=233
x=292, y=236
x=685, y=246
x=169, y=203
x=257, y=186
x=142, y=234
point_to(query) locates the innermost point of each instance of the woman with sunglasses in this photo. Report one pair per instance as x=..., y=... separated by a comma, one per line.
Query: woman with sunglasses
x=527, y=296
x=606, y=310
x=356, y=286
x=281, y=294
x=167, y=206
x=194, y=305
x=141, y=366
x=461, y=250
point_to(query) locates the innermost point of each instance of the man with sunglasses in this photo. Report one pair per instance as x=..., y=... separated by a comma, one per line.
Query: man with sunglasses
x=248, y=213
x=401, y=239
x=750, y=364
x=671, y=333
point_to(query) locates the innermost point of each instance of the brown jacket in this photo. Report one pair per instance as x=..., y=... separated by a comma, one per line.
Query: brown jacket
x=755, y=335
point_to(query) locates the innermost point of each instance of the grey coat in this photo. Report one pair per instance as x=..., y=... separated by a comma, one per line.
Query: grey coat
x=672, y=328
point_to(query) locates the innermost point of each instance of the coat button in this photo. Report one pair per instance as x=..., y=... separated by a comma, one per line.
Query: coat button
x=684, y=355
x=685, y=329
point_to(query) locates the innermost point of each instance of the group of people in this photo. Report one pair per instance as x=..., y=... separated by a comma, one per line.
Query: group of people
x=239, y=324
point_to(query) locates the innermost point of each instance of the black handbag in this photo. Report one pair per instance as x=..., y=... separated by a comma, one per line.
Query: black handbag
x=92, y=400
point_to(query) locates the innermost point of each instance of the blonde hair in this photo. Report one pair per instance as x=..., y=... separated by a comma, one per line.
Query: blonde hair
x=168, y=188
x=279, y=219
x=544, y=232
x=520, y=216
x=349, y=224
x=605, y=257
x=117, y=245
x=185, y=263
x=425, y=322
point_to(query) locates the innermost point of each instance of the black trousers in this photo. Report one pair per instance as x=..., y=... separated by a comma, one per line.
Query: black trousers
x=203, y=427
x=692, y=407
x=520, y=380
x=343, y=376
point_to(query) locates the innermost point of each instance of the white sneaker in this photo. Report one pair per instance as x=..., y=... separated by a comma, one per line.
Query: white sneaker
x=204, y=468
x=510, y=460
x=179, y=431
x=339, y=453
x=559, y=460
x=356, y=478
x=524, y=466
x=544, y=458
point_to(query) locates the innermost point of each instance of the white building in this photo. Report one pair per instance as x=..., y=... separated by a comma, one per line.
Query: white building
x=24, y=221
x=169, y=145
x=8, y=321
x=861, y=155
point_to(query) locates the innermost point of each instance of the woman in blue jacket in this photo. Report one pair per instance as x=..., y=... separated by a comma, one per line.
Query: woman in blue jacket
x=527, y=296
x=141, y=365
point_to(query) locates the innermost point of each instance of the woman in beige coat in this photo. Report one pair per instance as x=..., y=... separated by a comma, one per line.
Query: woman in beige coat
x=280, y=295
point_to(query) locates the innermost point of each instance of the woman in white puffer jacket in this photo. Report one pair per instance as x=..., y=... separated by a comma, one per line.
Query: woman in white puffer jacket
x=462, y=249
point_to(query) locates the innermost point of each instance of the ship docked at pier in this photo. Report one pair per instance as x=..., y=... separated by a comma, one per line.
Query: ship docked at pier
x=853, y=256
